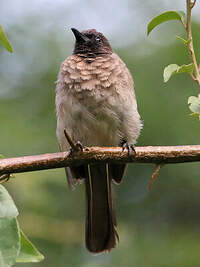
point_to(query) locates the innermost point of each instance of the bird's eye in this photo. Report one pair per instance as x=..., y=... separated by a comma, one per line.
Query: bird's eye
x=98, y=39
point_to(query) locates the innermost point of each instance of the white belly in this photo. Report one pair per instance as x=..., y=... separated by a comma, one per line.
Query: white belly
x=90, y=120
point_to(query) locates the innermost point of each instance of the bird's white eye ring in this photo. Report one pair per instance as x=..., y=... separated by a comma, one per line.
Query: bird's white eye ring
x=98, y=39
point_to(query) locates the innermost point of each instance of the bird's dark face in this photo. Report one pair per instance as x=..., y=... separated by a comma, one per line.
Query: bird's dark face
x=91, y=43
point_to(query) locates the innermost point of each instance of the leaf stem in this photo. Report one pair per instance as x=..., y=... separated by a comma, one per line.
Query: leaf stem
x=196, y=76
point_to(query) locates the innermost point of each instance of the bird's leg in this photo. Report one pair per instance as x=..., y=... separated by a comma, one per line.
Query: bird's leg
x=130, y=147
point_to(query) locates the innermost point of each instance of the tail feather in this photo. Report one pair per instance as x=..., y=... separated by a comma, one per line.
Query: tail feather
x=101, y=234
x=117, y=172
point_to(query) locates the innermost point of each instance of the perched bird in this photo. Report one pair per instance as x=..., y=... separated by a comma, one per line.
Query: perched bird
x=96, y=104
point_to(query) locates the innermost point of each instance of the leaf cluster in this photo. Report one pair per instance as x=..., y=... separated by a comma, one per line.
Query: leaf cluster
x=173, y=69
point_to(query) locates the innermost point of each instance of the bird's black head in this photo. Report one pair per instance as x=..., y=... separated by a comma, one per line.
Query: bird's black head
x=91, y=43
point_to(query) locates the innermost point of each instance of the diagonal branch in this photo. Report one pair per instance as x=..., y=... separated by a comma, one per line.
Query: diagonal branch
x=148, y=154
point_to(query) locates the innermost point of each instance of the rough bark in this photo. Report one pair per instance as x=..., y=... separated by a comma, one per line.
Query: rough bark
x=148, y=154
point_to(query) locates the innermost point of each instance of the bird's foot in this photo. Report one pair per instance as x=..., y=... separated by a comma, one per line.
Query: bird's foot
x=78, y=147
x=129, y=147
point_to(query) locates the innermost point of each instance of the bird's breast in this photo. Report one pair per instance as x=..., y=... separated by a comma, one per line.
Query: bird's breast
x=97, y=74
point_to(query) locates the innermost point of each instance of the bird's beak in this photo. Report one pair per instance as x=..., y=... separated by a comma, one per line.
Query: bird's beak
x=80, y=37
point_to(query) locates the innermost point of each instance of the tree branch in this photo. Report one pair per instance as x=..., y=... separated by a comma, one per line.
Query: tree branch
x=148, y=154
x=190, y=5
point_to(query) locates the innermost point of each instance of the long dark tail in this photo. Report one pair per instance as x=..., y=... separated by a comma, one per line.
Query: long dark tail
x=101, y=234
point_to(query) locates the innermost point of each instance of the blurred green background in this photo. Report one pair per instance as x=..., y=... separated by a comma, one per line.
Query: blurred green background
x=156, y=228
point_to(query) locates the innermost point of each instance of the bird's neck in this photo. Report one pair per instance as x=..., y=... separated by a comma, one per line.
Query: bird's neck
x=90, y=54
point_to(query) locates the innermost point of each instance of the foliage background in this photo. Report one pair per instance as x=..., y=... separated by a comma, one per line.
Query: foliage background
x=157, y=228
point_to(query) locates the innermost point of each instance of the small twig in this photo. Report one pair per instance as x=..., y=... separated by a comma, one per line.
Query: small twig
x=70, y=140
x=184, y=25
x=193, y=77
x=154, y=175
x=75, y=146
x=192, y=4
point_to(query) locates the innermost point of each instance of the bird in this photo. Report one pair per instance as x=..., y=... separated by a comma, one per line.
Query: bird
x=96, y=105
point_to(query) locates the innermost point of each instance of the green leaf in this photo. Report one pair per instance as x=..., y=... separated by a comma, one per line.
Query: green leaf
x=4, y=41
x=173, y=69
x=7, y=205
x=9, y=230
x=194, y=104
x=1, y=157
x=166, y=16
x=185, y=42
x=169, y=71
x=14, y=245
x=28, y=252
x=9, y=241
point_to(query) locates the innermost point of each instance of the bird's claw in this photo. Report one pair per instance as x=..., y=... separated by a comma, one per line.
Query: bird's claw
x=77, y=148
x=130, y=148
